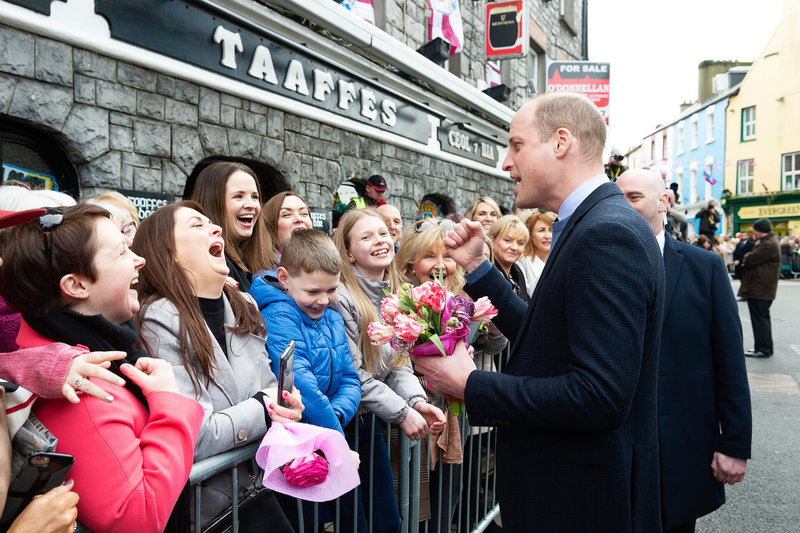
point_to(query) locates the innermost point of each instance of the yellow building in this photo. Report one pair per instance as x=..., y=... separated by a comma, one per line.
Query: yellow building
x=762, y=138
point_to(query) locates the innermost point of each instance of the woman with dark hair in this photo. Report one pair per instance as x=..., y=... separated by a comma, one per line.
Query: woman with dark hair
x=284, y=213
x=70, y=274
x=231, y=195
x=214, y=337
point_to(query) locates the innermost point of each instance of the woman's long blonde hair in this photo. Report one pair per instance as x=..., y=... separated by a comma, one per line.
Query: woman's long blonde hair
x=414, y=244
x=367, y=311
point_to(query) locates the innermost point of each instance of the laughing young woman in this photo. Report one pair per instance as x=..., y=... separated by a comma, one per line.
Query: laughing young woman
x=230, y=194
x=70, y=274
x=389, y=388
x=213, y=336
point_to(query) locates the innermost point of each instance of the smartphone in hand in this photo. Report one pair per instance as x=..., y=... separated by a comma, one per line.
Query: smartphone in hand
x=42, y=471
x=286, y=373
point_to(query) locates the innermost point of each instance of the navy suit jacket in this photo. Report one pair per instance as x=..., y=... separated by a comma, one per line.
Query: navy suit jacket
x=703, y=394
x=576, y=406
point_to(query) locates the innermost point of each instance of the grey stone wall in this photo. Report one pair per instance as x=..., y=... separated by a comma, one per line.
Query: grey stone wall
x=128, y=127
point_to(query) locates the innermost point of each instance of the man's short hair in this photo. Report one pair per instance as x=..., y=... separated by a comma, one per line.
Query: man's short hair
x=309, y=251
x=577, y=114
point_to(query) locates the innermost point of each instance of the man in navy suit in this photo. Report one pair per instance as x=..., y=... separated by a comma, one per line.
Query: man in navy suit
x=704, y=419
x=576, y=406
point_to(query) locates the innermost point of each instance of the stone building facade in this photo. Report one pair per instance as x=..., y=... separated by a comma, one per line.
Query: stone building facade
x=102, y=107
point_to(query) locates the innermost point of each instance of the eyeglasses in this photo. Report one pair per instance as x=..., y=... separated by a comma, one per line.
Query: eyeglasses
x=425, y=223
x=51, y=219
x=129, y=229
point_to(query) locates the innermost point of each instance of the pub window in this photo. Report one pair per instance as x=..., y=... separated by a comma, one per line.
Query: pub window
x=694, y=130
x=35, y=160
x=744, y=176
x=679, y=140
x=791, y=172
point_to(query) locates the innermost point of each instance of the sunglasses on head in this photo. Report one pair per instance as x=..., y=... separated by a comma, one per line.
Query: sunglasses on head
x=52, y=218
x=425, y=223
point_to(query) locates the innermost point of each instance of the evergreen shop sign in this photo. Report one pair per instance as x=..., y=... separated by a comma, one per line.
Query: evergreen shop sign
x=201, y=34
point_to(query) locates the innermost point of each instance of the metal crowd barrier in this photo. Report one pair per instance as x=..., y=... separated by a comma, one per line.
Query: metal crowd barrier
x=462, y=498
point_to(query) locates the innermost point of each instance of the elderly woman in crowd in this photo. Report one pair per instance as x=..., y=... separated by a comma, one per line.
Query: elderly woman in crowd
x=534, y=256
x=214, y=337
x=70, y=274
x=509, y=237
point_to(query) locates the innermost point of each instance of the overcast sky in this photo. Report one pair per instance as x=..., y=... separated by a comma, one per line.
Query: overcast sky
x=654, y=48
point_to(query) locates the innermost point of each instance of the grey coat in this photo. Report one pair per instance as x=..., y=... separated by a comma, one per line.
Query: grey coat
x=231, y=417
x=390, y=391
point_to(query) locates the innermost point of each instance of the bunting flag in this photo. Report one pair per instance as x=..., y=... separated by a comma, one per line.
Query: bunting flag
x=445, y=22
x=493, y=77
x=362, y=9
x=709, y=178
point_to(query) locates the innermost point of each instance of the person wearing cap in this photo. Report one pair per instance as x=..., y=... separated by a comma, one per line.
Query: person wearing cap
x=760, y=271
x=374, y=190
x=614, y=167
x=376, y=187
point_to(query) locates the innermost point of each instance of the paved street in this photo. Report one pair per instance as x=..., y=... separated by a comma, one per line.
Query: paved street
x=769, y=498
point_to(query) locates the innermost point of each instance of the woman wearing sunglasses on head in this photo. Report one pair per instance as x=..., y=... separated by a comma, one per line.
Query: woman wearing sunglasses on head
x=70, y=274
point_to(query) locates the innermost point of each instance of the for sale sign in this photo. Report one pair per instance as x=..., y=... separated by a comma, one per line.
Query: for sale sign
x=583, y=77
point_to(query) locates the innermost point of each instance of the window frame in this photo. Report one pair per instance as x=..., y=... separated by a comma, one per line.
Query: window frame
x=710, y=125
x=794, y=174
x=748, y=132
x=693, y=131
x=680, y=136
x=749, y=178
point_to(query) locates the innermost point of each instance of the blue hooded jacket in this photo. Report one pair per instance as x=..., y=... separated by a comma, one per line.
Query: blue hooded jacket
x=323, y=369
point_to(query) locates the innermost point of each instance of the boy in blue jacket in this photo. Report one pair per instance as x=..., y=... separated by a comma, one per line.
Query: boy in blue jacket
x=295, y=307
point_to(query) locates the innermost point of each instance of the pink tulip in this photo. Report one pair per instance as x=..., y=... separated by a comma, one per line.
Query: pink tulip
x=380, y=333
x=407, y=328
x=389, y=308
x=484, y=310
x=432, y=294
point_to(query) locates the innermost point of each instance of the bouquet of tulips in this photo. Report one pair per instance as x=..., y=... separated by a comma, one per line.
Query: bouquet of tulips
x=428, y=320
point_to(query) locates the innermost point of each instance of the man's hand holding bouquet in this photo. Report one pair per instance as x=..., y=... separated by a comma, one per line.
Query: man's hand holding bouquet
x=428, y=320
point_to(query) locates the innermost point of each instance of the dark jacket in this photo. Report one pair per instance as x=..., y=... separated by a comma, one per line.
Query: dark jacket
x=702, y=383
x=761, y=269
x=323, y=370
x=709, y=218
x=576, y=405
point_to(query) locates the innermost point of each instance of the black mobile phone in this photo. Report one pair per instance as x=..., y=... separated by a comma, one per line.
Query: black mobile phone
x=8, y=386
x=41, y=472
x=286, y=373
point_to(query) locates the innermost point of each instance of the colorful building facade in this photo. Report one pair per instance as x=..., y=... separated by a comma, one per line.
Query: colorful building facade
x=762, y=171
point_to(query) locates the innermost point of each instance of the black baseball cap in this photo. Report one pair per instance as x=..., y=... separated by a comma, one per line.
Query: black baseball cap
x=10, y=219
x=377, y=182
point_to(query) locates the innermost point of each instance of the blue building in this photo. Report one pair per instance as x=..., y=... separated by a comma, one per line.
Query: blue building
x=698, y=158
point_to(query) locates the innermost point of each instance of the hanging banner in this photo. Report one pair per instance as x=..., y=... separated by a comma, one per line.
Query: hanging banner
x=362, y=8
x=583, y=77
x=506, y=29
x=445, y=21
